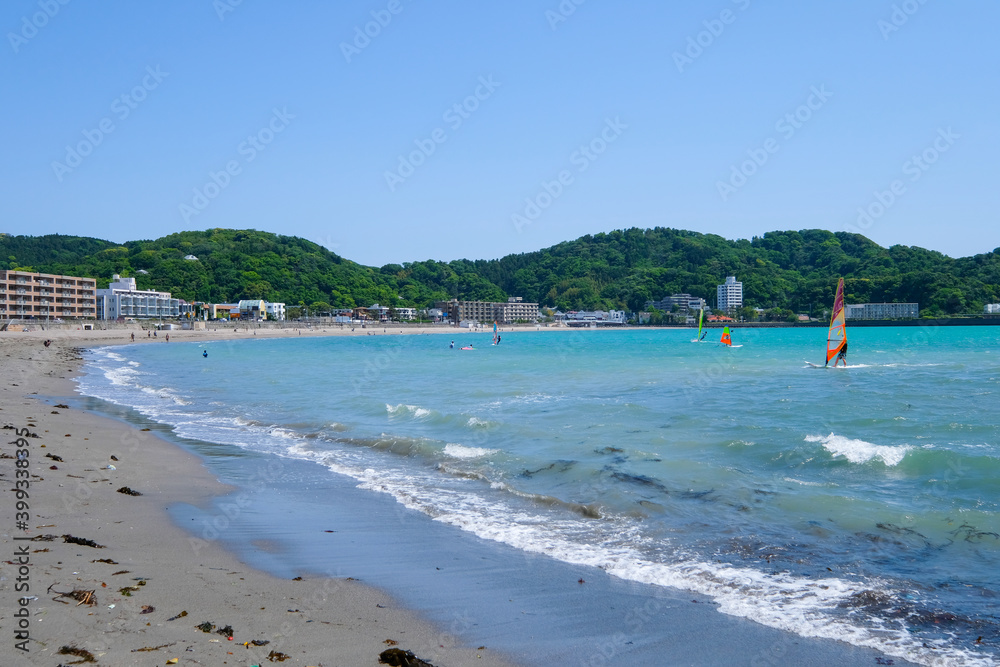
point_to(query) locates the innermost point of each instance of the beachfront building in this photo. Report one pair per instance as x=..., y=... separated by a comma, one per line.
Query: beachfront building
x=515, y=309
x=435, y=314
x=222, y=311
x=29, y=295
x=123, y=299
x=595, y=318
x=252, y=309
x=730, y=295
x=275, y=311
x=374, y=312
x=189, y=311
x=881, y=311
x=991, y=308
x=684, y=303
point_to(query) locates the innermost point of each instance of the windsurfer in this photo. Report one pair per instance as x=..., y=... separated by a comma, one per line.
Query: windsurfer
x=842, y=356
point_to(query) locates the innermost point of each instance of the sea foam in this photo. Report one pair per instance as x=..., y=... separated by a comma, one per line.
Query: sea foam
x=859, y=451
x=463, y=452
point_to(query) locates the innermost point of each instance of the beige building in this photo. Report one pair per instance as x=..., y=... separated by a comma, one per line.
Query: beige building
x=484, y=312
x=24, y=294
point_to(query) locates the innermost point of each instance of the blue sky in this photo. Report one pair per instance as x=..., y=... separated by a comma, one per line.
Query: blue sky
x=127, y=120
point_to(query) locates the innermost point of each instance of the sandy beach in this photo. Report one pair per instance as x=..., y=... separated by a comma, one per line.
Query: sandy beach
x=101, y=572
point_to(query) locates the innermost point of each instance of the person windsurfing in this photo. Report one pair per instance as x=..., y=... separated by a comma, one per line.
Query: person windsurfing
x=704, y=334
x=842, y=356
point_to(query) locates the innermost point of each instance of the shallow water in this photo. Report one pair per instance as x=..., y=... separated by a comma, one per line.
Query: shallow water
x=859, y=504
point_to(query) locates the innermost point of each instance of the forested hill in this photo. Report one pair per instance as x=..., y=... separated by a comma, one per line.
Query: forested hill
x=796, y=271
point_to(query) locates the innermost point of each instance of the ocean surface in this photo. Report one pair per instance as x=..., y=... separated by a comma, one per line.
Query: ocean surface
x=857, y=503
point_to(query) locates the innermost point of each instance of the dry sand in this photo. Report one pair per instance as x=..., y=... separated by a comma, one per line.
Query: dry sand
x=153, y=583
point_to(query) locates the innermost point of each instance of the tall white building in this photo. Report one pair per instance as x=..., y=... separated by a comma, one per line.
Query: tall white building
x=730, y=294
x=122, y=299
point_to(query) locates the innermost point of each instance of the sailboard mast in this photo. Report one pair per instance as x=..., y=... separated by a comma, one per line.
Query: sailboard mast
x=836, y=338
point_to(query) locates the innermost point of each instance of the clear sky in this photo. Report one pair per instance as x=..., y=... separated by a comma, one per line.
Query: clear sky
x=477, y=129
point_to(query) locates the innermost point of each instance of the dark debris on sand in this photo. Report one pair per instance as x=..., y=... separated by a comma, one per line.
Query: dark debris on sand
x=82, y=542
x=396, y=657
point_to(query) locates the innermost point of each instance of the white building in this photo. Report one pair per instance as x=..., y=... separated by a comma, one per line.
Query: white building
x=991, y=308
x=122, y=299
x=881, y=311
x=602, y=318
x=730, y=294
x=275, y=311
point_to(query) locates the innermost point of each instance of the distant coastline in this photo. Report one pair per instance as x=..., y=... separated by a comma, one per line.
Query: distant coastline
x=929, y=322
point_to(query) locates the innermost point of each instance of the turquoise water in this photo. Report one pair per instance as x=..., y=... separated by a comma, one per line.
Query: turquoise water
x=856, y=503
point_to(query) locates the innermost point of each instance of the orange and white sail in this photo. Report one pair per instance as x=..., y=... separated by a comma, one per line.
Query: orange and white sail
x=726, y=340
x=836, y=338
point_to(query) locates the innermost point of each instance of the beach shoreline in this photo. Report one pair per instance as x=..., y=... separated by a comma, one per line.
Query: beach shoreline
x=135, y=615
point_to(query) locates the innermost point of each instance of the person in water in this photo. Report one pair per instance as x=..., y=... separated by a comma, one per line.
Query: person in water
x=842, y=356
x=204, y=353
x=452, y=346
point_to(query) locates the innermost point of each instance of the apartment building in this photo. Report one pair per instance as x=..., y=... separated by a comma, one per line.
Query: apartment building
x=24, y=295
x=730, y=294
x=684, y=302
x=123, y=299
x=881, y=311
x=484, y=312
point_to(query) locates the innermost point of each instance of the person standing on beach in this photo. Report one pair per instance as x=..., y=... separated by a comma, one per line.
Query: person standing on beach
x=133, y=336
